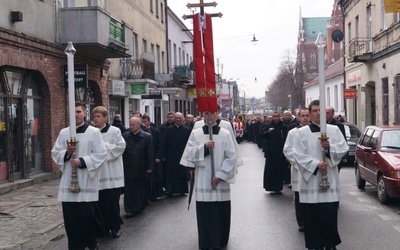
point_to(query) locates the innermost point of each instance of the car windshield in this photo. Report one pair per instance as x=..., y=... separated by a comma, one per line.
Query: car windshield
x=352, y=131
x=390, y=140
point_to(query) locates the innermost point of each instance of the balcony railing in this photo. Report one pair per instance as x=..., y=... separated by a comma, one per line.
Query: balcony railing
x=360, y=49
x=137, y=69
x=184, y=73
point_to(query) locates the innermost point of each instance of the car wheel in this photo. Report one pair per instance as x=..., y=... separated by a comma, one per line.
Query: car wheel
x=383, y=196
x=359, y=181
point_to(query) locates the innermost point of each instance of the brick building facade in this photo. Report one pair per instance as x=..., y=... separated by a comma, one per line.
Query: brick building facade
x=34, y=101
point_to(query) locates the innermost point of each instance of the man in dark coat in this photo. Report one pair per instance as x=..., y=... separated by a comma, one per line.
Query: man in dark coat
x=274, y=134
x=156, y=177
x=330, y=111
x=138, y=162
x=176, y=137
x=169, y=122
x=118, y=123
x=287, y=118
x=256, y=131
x=190, y=121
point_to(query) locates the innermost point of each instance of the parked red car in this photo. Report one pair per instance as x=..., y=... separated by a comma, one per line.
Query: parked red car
x=378, y=161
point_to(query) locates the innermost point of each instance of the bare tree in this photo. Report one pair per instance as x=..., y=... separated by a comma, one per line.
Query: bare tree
x=284, y=83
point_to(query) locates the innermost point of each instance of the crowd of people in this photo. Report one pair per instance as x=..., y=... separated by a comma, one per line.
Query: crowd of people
x=144, y=164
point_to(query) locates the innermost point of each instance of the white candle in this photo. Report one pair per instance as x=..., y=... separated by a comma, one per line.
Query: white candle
x=70, y=51
x=320, y=42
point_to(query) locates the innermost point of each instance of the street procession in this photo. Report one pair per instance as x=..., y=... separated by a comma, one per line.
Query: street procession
x=204, y=125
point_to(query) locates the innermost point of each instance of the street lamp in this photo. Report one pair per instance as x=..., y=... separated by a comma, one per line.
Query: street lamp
x=254, y=41
x=290, y=103
x=321, y=42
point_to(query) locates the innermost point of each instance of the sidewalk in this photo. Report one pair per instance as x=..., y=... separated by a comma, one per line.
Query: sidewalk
x=29, y=212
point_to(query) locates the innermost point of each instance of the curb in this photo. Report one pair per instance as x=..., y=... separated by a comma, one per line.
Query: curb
x=34, y=179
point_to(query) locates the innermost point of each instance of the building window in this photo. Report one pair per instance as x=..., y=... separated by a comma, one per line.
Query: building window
x=162, y=62
x=383, y=16
x=158, y=58
x=162, y=12
x=328, y=96
x=21, y=123
x=169, y=53
x=135, y=47
x=175, y=56
x=313, y=60
x=397, y=17
x=180, y=57
x=357, y=22
x=144, y=42
x=336, y=98
x=349, y=31
x=156, y=8
x=385, y=101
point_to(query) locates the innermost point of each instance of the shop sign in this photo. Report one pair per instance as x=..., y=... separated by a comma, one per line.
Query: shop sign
x=354, y=77
x=139, y=89
x=80, y=75
x=154, y=94
x=117, y=88
x=350, y=93
x=2, y=126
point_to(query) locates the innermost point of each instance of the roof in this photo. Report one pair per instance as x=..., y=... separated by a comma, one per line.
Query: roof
x=333, y=70
x=314, y=25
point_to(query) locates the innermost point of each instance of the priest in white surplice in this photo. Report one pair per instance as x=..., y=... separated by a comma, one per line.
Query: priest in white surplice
x=78, y=208
x=320, y=205
x=111, y=175
x=303, y=119
x=213, y=206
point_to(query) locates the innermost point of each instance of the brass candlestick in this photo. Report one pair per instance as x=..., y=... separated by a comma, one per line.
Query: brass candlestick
x=324, y=180
x=74, y=173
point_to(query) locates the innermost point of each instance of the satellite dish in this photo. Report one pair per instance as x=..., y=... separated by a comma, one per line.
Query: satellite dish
x=337, y=36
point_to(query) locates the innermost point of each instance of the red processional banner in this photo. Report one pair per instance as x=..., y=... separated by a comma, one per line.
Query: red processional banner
x=203, y=53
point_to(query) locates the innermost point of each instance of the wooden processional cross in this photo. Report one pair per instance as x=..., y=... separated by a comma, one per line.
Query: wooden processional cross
x=203, y=53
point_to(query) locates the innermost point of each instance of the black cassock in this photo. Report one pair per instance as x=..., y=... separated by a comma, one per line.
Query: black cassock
x=275, y=161
x=174, y=145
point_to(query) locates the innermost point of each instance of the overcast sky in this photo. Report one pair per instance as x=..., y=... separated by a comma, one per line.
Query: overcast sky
x=275, y=25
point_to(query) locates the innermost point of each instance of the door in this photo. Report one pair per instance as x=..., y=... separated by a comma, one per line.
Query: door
x=15, y=139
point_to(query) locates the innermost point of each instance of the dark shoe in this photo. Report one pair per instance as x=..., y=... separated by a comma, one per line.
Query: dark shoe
x=330, y=248
x=115, y=234
x=289, y=186
x=129, y=215
x=95, y=247
x=301, y=229
x=278, y=192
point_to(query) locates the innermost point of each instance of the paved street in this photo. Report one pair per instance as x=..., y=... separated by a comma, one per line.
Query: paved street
x=31, y=218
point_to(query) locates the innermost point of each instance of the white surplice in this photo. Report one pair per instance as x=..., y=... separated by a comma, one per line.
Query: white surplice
x=223, y=124
x=92, y=149
x=111, y=173
x=224, y=164
x=307, y=152
x=287, y=150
